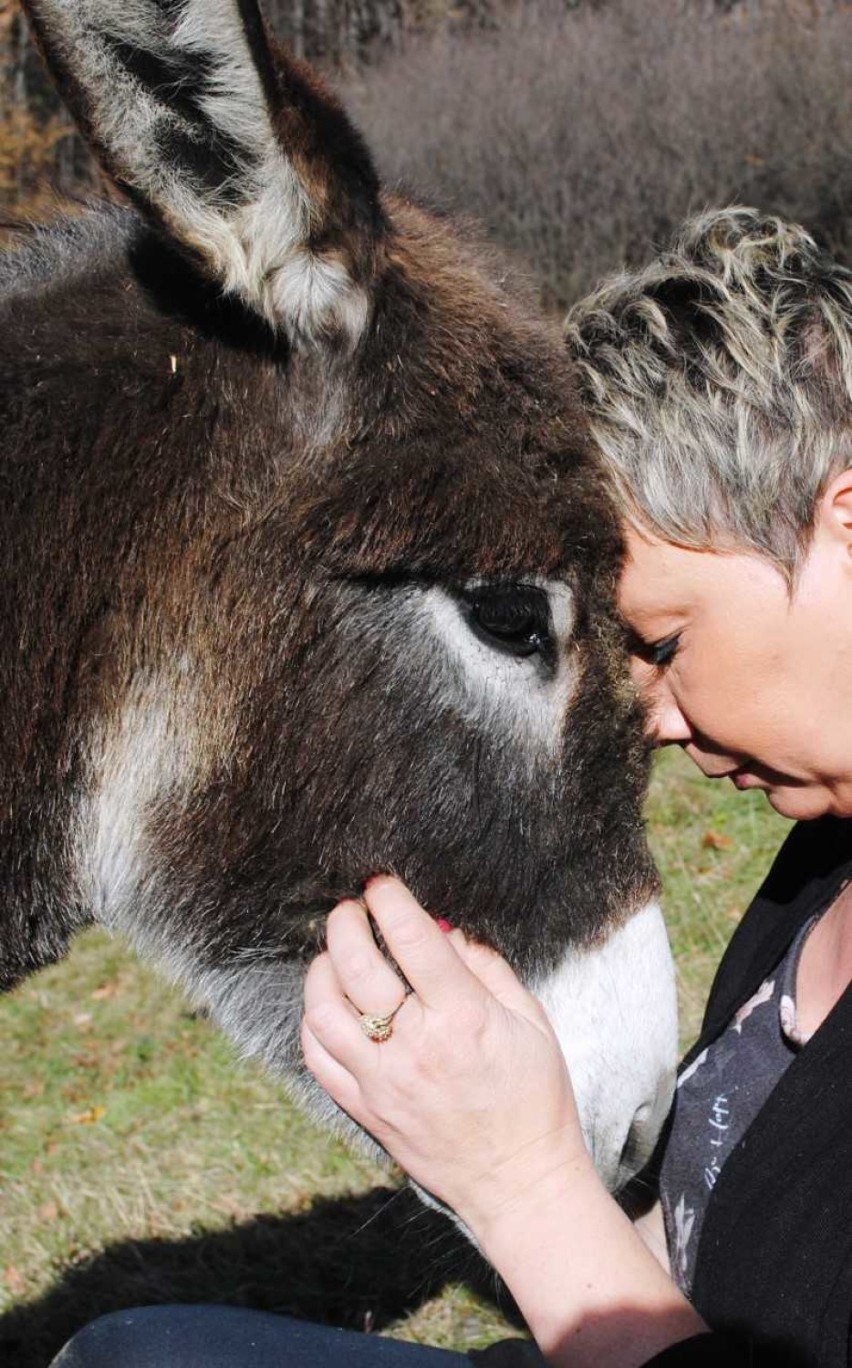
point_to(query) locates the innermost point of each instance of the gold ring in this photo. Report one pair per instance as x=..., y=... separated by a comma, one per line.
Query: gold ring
x=378, y=1028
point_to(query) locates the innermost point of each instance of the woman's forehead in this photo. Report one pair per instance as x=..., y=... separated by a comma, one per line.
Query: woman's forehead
x=656, y=576
x=660, y=579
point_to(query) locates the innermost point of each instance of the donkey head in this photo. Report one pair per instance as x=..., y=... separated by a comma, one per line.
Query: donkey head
x=344, y=565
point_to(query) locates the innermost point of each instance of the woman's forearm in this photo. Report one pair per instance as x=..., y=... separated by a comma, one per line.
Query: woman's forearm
x=592, y=1293
x=652, y=1229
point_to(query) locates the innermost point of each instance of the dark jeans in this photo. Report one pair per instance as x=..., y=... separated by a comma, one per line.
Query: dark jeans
x=227, y=1337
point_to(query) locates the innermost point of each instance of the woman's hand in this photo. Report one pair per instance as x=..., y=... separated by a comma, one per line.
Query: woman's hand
x=470, y=1094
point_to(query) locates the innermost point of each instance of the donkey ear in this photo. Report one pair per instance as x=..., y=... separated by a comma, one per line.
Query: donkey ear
x=236, y=151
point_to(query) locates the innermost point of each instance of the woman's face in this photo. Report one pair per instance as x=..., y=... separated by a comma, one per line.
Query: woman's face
x=754, y=683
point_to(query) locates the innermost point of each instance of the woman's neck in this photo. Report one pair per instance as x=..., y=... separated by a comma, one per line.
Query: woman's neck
x=825, y=967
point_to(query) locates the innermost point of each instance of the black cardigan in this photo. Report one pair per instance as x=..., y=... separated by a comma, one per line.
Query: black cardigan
x=774, y=1268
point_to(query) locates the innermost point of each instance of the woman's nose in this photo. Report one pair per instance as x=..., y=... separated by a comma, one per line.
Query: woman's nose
x=665, y=723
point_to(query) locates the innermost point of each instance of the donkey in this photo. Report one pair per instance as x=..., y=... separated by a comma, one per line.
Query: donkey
x=307, y=573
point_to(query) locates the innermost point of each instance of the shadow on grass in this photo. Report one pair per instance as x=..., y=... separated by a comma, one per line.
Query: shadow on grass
x=358, y=1261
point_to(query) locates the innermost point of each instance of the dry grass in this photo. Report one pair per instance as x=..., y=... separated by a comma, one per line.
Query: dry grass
x=141, y=1164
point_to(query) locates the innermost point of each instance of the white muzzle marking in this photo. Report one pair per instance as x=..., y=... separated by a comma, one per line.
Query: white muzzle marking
x=614, y=1011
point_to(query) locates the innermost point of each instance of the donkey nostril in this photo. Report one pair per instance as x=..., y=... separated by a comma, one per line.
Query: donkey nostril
x=643, y=1115
x=640, y=1141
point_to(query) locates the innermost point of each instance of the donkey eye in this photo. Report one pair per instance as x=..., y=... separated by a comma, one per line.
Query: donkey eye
x=512, y=618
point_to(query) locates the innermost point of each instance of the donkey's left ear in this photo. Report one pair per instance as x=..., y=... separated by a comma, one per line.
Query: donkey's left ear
x=235, y=151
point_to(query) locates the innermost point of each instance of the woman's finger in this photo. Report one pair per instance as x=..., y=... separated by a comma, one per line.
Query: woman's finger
x=364, y=974
x=331, y=1075
x=330, y=1017
x=493, y=972
x=422, y=950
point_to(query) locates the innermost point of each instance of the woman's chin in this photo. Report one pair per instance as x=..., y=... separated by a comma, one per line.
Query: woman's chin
x=804, y=804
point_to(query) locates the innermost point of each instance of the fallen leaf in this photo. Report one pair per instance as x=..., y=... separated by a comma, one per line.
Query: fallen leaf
x=48, y=1211
x=715, y=840
x=82, y=1019
x=14, y=1280
x=106, y=990
x=35, y=1088
x=88, y=1117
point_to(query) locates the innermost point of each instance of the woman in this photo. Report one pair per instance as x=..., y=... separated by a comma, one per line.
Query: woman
x=719, y=384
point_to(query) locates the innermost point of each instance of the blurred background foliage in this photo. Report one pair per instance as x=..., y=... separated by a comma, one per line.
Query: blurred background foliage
x=579, y=134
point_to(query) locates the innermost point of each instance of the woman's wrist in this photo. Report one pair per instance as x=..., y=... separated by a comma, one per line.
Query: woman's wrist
x=590, y=1290
x=556, y=1163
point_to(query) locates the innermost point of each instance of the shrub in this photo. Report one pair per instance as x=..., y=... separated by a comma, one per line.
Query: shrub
x=580, y=132
x=582, y=137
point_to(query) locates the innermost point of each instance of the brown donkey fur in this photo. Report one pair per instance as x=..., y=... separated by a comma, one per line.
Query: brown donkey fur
x=307, y=567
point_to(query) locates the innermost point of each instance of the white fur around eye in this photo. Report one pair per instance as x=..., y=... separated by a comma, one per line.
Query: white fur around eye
x=492, y=685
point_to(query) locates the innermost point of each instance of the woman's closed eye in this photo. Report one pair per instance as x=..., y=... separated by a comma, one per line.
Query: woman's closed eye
x=661, y=652
x=657, y=653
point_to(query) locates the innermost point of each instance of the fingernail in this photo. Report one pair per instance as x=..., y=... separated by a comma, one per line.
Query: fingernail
x=443, y=925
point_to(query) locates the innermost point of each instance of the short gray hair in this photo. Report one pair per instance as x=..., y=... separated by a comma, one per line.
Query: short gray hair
x=718, y=381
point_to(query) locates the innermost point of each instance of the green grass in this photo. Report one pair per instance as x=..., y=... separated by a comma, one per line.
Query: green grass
x=140, y=1163
x=713, y=846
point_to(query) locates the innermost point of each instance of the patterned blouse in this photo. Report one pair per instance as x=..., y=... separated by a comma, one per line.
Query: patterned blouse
x=718, y=1096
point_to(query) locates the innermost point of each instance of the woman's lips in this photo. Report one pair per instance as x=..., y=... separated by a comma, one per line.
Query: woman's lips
x=751, y=774
x=744, y=779
x=761, y=777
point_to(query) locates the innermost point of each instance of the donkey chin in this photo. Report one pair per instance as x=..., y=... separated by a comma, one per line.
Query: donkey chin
x=614, y=1010
x=613, y=1007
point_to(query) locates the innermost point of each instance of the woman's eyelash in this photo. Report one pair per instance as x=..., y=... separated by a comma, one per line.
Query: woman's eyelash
x=661, y=652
